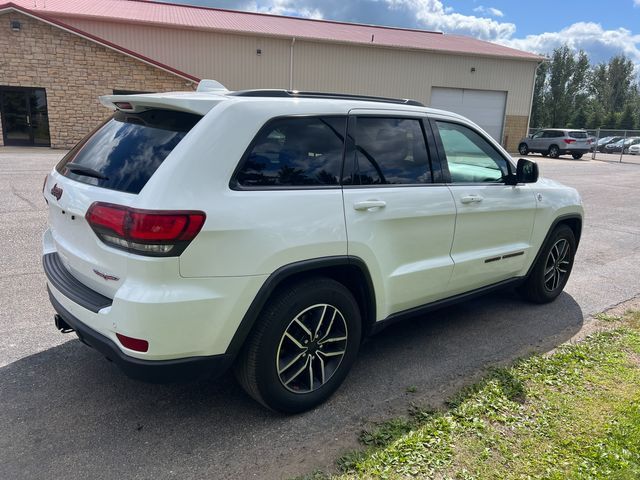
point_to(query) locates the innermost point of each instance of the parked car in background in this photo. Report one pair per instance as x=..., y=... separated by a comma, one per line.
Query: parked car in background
x=554, y=142
x=622, y=145
x=635, y=149
x=604, y=141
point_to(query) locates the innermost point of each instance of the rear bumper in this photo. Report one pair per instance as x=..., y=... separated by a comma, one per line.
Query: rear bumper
x=157, y=371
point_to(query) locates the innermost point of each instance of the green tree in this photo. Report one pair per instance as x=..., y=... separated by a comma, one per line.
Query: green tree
x=539, y=116
x=620, y=78
x=580, y=118
x=628, y=118
x=597, y=116
x=611, y=120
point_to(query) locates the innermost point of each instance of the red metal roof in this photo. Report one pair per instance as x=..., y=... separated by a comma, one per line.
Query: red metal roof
x=183, y=16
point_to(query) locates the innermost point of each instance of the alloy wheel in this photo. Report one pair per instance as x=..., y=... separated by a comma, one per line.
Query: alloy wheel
x=311, y=348
x=557, y=264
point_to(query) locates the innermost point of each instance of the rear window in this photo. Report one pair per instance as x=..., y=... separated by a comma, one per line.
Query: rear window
x=578, y=134
x=124, y=152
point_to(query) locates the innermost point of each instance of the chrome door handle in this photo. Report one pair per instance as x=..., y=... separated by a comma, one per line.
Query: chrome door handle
x=369, y=204
x=471, y=199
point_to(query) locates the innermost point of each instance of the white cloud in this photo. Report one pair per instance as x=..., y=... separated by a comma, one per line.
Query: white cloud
x=492, y=11
x=636, y=3
x=599, y=43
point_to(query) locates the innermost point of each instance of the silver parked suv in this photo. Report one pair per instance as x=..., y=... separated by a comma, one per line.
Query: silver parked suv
x=555, y=142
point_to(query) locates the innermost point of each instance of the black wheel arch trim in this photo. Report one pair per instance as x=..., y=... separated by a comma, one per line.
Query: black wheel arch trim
x=278, y=277
x=557, y=221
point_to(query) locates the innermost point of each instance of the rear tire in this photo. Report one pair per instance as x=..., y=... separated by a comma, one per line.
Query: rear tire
x=554, y=151
x=576, y=156
x=552, y=268
x=304, y=344
x=523, y=149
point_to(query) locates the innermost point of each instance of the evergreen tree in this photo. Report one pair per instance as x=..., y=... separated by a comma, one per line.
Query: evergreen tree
x=627, y=119
x=597, y=117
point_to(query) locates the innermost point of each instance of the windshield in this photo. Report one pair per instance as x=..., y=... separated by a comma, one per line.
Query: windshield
x=127, y=149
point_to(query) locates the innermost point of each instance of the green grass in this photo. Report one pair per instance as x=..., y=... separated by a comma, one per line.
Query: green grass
x=574, y=414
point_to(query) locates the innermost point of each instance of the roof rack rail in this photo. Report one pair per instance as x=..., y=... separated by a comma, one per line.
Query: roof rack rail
x=343, y=96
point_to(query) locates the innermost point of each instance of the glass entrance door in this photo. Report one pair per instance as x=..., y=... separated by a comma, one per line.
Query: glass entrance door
x=24, y=115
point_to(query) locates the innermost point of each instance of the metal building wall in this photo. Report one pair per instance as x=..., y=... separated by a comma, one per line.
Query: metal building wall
x=230, y=59
x=233, y=60
x=410, y=74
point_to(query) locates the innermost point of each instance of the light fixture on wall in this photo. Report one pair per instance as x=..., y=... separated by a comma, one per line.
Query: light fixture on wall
x=16, y=25
x=473, y=69
x=259, y=51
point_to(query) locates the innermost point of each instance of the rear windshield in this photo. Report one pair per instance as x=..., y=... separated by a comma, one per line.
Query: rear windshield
x=578, y=134
x=124, y=152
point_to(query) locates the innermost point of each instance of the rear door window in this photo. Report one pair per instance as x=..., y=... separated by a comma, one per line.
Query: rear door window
x=390, y=151
x=124, y=152
x=295, y=152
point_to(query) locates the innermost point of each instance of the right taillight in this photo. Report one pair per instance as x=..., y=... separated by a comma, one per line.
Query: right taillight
x=158, y=233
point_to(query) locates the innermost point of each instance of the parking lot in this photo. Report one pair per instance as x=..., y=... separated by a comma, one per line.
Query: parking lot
x=65, y=412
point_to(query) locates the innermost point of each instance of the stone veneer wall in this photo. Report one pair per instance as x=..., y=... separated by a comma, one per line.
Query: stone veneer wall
x=74, y=72
x=515, y=127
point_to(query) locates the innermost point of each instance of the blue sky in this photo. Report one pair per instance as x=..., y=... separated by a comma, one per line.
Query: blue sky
x=602, y=29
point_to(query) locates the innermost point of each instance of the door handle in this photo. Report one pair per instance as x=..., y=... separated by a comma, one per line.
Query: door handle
x=471, y=199
x=369, y=204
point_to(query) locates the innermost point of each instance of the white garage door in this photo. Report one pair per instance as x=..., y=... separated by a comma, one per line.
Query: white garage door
x=484, y=107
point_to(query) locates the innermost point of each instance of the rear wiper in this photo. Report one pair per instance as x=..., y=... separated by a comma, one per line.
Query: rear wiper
x=86, y=171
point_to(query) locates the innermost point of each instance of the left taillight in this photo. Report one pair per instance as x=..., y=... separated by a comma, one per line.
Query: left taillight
x=156, y=233
x=569, y=140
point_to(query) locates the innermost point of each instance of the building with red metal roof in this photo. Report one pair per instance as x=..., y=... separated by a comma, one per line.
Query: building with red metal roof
x=492, y=84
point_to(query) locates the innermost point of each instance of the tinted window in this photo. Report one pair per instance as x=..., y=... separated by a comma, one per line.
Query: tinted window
x=538, y=135
x=128, y=148
x=295, y=152
x=390, y=151
x=578, y=134
x=471, y=158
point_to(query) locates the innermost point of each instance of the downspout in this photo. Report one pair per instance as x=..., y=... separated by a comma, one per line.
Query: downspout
x=533, y=91
x=293, y=42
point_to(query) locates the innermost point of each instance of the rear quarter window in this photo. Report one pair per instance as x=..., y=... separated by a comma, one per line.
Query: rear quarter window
x=578, y=134
x=127, y=149
x=294, y=152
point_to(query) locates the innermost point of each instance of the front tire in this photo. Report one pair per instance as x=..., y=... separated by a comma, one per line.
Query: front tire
x=304, y=344
x=552, y=268
x=523, y=149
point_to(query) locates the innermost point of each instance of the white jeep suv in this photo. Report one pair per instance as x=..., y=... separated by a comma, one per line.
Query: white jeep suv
x=271, y=231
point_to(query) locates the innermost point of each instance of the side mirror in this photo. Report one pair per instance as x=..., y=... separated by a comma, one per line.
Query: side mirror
x=527, y=171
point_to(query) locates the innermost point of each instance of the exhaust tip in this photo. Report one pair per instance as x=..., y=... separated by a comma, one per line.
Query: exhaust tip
x=61, y=324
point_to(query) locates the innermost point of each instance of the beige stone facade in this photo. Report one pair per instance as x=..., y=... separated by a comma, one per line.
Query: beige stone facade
x=74, y=71
x=515, y=127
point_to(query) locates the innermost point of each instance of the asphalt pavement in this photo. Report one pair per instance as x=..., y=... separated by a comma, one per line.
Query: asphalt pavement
x=65, y=412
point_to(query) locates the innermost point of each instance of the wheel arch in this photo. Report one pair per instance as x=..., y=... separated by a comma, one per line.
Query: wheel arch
x=352, y=272
x=572, y=220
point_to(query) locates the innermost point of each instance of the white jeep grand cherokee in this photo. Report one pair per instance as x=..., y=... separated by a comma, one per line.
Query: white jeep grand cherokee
x=273, y=230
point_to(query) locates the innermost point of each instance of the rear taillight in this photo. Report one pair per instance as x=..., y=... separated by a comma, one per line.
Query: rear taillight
x=569, y=140
x=157, y=233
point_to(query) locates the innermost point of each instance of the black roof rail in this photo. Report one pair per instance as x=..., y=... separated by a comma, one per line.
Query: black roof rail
x=342, y=96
